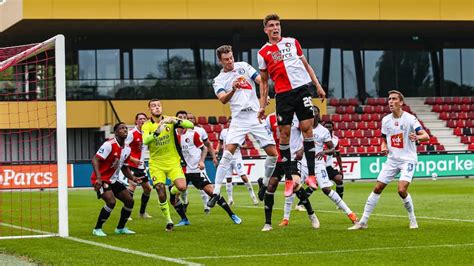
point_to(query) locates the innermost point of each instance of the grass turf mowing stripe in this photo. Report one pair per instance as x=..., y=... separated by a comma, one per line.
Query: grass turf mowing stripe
x=375, y=214
x=327, y=251
x=125, y=250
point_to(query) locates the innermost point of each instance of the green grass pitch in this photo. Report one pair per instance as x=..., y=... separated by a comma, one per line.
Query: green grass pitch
x=445, y=211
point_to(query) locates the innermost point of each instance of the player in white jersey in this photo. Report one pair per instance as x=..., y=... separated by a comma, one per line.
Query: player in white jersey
x=210, y=150
x=324, y=146
x=194, y=154
x=335, y=175
x=235, y=84
x=237, y=166
x=400, y=131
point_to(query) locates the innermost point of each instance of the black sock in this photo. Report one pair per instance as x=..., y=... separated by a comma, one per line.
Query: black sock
x=124, y=214
x=224, y=205
x=285, y=153
x=301, y=194
x=309, y=153
x=268, y=203
x=145, y=198
x=180, y=210
x=340, y=190
x=103, y=216
x=309, y=191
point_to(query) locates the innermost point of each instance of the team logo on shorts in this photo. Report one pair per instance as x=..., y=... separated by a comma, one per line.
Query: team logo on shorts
x=279, y=118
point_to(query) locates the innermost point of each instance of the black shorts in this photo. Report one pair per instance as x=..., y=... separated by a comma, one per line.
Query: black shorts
x=279, y=172
x=141, y=173
x=332, y=173
x=199, y=180
x=116, y=188
x=297, y=101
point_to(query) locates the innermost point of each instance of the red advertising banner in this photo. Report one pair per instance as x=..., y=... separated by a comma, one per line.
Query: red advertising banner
x=31, y=176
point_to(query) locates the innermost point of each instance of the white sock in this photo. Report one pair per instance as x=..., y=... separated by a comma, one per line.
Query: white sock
x=408, y=203
x=339, y=202
x=288, y=204
x=250, y=189
x=204, y=198
x=270, y=163
x=184, y=197
x=369, y=207
x=222, y=171
x=229, y=189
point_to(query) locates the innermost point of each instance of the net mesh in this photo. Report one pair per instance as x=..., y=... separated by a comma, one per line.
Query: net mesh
x=28, y=169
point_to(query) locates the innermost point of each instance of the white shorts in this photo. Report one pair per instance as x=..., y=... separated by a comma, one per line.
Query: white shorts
x=391, y=168
x=321, y=175
x=239, y=128
x=236, y=166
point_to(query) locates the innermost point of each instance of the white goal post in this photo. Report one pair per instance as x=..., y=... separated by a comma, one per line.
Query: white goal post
x=58, y=159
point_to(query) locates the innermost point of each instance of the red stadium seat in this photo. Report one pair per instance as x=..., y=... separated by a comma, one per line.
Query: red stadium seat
x=471, y=147
x=377, y=133
x=365, y=142
x=372, y=125
x=452, y=115
x=443, y=116
x=430, y=101
x=378, y=109
x=471, y=115
x=465, y=140
x=386, y=109
x=460, y=123
x=448, y=100
x=244, y=152
x=421, y=148
x=436, y=108
x=376, y=117
x=354, y=142
x=469, y=123
x=338, y=133
x=455, y=108
x=353, y=102
x=202, y=120
x=344, y=142
x=457, y=131
x=406, y=108
x=457, y=100
x=222, y=120
x=333, y=102
x=346, y=118
x=207, y=127
x=365, y=117
x=358, y=134
x=350, y=109
x=355, y=117
x=451, y=123
x=371, y=149
x=352, y=125
x=368, y=109
x=349, y=150
x=342, y=125
x=362, y=125
x=446, y=108
x=465, y=108
x=434, y=140
x=371, y=101
x=249, y=144
x=336, y=118
x=439, y=101
x=439, y=148
x=465, y=100
x=375, y=141
x=217, y=128
x=348, y=134
x=326, y=118
x=368, y=133
x=340, y=110
x=213, y=136
x=360, y=149
x=343, y=102
x=381, y=101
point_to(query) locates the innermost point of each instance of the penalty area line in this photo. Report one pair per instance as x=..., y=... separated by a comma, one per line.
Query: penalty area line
x=383, y=215
x=326, y=252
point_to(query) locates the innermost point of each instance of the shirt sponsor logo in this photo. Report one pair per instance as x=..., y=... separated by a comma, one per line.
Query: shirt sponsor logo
x=283, y=54
x=397, y=141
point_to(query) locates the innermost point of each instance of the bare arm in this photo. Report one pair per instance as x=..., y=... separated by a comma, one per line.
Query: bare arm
x=421, y=135
x=263, y=93
x=337, y=154
x=211, y=151
x=313, y=77
x=95, y=166
x=383, y=146
x=225, y=97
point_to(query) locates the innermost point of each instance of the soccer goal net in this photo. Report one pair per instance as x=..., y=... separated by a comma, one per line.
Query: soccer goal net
x=34, y=174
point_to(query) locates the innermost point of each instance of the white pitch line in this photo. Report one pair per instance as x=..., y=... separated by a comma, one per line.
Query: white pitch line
x=327, y=251
x=382, y=215
x=124, y=250
x=135, y=252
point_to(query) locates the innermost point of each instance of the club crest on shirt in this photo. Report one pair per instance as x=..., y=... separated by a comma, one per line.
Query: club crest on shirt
x=187, y=140
x=241, y=71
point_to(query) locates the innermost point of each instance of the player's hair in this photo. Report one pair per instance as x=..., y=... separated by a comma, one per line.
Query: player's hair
x=400, y=95
x=116, y=126
x=139, y=114
x=270, y=17
x=181, y=112
x=224, y=49
x=152, y=100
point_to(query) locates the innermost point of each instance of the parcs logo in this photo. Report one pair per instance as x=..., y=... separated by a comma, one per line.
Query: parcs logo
x=30, y=176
